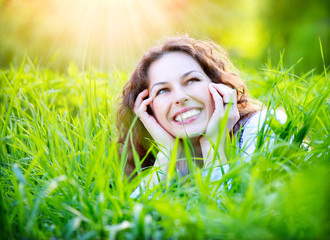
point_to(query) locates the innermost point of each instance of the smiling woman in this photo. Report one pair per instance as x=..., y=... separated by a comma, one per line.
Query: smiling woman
x=183, y=89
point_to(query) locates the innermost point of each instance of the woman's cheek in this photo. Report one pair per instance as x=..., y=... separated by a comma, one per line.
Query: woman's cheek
x=157, y=108
x=153, y=106
x=198, y=88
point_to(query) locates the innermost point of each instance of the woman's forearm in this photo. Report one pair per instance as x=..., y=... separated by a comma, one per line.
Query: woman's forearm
x=209, y=152
x=159, y=174
x=161, y=166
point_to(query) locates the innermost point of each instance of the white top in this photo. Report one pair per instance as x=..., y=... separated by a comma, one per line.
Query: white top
x=247, y=141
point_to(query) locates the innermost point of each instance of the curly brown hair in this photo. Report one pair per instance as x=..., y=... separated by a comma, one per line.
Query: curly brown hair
x=212, y=58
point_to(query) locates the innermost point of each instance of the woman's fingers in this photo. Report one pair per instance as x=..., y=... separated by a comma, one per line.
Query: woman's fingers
x=140, y=108
x=227, y=99
x=218, y=102
x=228, y=94
x=139, y=100
x=230, y=100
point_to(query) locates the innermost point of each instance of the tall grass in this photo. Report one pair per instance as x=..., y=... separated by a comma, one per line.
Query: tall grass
x=62, y=174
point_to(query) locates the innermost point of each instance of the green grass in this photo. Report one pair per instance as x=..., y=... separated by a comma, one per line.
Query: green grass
x=62, y=176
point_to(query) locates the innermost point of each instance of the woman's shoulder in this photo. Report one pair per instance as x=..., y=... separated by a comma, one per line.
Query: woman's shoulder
x=254, y=124
x=259, y=118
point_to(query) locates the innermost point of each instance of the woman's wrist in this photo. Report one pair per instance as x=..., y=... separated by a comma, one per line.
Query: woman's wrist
x=162, y=158
x=166, y=151
x=159, y=172
x=209, y=152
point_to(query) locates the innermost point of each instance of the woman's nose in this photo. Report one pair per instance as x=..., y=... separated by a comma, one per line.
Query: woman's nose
x=180, y=97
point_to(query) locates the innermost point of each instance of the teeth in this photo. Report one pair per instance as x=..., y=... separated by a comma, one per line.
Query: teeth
x=186, y=115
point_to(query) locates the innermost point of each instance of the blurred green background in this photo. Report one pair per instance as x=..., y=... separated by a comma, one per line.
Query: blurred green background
x=110, y=34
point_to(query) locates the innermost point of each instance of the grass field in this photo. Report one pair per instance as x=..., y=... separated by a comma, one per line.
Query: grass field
x=62, y=176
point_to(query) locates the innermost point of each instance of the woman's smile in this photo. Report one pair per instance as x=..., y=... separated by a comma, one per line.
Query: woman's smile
x=187, y=115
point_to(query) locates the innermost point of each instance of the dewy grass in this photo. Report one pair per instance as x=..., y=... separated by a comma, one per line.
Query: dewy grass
x=62, y=173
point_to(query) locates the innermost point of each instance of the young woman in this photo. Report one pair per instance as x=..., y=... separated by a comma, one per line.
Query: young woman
x=183, y=88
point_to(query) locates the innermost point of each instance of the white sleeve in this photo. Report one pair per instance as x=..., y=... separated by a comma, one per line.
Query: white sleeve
x=137, y=190
x=216, y=173
x=249, y=140
x=253, y=127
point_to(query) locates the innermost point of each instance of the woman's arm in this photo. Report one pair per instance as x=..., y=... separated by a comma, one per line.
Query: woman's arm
x=157, y=176
x=162, y=137
x=225, y=101
x=159, y=172
x=208, y=152
x=253, y=127
x=156, y=131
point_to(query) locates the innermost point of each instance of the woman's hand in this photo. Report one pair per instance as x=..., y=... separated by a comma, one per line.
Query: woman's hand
x=224, y=97
x=158, y=133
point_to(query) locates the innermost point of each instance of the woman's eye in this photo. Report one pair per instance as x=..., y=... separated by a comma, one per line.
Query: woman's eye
x=161, y=91
x=192, y=80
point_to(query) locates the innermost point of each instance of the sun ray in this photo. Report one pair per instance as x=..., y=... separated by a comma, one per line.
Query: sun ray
x=103, y=33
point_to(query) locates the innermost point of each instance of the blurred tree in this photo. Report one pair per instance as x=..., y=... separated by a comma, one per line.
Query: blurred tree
x=296, y=26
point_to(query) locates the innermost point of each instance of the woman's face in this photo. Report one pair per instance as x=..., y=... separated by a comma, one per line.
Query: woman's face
x=182, y=101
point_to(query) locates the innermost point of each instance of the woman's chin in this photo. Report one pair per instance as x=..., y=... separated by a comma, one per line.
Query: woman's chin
x=188, y=134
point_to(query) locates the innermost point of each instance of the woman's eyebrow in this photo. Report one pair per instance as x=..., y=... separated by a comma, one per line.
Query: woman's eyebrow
x=159, y=83
x=188, y=73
